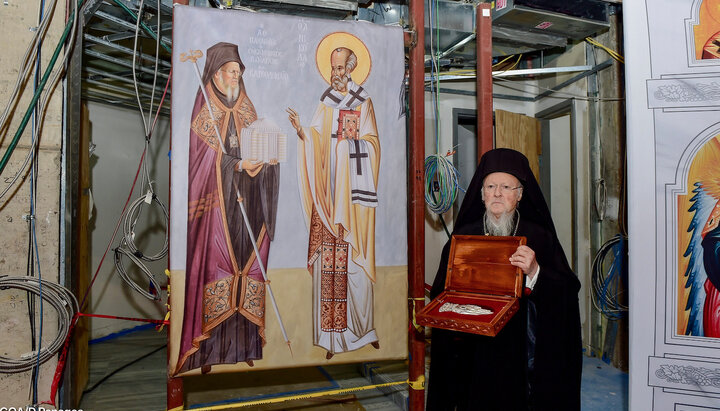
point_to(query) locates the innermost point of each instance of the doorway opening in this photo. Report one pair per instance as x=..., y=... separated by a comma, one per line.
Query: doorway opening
x=558, y=171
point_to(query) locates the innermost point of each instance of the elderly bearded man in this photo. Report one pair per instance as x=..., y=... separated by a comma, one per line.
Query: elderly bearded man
x=338, y=161
x=224, y=321
x=535, y=361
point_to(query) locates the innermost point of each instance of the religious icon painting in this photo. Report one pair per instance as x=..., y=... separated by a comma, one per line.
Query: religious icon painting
x=288, y=194
x=699, y=245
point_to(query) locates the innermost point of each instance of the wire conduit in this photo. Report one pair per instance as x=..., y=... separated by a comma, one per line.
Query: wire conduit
x=61, y=299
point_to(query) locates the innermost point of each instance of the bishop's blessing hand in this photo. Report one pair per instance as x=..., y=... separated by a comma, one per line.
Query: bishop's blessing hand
x=294, y=118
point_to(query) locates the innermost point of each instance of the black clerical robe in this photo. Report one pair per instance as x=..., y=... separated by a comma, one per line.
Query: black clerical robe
x=473, y=372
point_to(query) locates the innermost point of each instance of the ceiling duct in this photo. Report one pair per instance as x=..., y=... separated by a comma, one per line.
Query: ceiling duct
x=306, y=8
x=453, y=34
x=519, y=26
x=572, y=19
x=449, y=25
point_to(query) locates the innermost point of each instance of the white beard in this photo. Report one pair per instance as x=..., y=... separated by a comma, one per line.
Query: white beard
x=502, y=226
x=231, y=94
x=338, y=81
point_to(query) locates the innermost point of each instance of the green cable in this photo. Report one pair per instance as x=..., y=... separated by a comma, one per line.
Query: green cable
x=143, y=25
x=440, y=174
x=48, y=71
x=437, y=76
x=38, y=92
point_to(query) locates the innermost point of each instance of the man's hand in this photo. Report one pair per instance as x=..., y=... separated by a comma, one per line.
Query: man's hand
x=294, y=118
x=251, y=168
x=524, y=257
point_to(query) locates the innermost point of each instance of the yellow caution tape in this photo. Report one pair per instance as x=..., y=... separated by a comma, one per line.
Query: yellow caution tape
x=295, y=397
x=418, y=327
x=418, y=384
x=167, y=273
x=167, y=315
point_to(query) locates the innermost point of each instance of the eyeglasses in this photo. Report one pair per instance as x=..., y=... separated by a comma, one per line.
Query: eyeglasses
x=234, y=73
x=504, y=188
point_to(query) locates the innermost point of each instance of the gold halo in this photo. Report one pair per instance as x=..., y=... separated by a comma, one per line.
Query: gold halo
x=347, y=40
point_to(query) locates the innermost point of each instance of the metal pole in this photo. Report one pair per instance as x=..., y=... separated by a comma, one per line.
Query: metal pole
x=416, y=206
x=483, y=43
x=126, y=50
x=75, y=182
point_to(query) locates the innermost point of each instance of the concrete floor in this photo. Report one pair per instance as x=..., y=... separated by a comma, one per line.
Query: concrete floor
x=604, y=387
x=140, y=384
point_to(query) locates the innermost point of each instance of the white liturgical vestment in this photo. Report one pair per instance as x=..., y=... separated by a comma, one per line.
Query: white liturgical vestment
x=338, y=180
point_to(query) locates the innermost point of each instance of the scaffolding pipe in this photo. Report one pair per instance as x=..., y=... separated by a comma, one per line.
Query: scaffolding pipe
x=484, y=79
x=126, y=50
x=416, y=205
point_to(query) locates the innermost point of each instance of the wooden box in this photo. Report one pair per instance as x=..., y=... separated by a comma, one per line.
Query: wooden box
x=479, y=273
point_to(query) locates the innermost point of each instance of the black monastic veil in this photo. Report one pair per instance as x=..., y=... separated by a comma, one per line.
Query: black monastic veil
x=535, y=362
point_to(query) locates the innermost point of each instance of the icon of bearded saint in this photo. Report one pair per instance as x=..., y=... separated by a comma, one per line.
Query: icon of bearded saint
x=703, y=250
x=338, y=165
x=224, y=313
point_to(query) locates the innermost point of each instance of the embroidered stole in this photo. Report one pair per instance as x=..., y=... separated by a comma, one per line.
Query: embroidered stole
x=333, y=254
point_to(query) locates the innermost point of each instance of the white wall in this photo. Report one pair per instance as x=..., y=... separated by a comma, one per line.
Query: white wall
x=575, y=56
x=118, y=136
x=560, y=191
x=435, y=237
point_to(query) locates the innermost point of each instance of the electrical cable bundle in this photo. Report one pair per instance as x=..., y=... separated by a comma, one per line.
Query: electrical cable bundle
x=129, y=249
x=130, y=221
x=59, y=371
x=127, y=246
x=42, y=93
x=441, y=177
x=441, y=183
x=120, y=266
x=64, y=303
x=606, y=290
x=29, y=71
x=614, y=54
